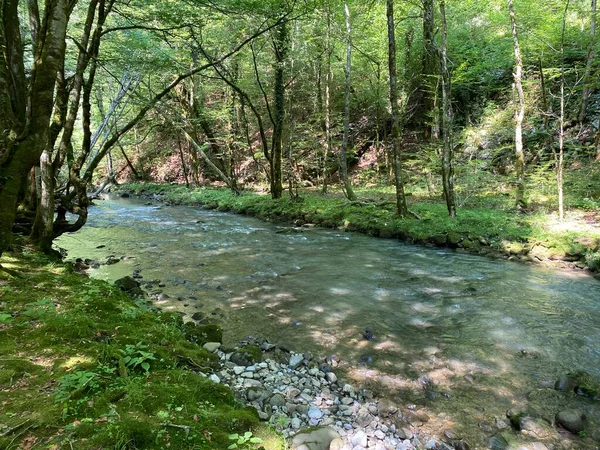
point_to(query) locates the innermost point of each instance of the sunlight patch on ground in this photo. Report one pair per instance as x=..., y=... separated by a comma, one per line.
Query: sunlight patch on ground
x=76, y=361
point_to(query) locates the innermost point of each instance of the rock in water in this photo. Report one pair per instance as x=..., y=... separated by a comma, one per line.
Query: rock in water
x=497, y=442
x=369, y=334
x=571, y=420
x=565, y=384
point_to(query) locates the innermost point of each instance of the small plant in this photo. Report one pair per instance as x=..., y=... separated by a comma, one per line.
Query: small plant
x=38, y=309
x=5, y=318
x=73, y=384
x=140, y=307
x=246, y=440
x=136, y=357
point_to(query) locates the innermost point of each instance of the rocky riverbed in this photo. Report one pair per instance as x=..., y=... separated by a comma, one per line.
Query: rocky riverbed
x=303, y=398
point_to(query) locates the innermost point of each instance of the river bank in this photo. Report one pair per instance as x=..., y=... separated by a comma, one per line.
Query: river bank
x=533, y=238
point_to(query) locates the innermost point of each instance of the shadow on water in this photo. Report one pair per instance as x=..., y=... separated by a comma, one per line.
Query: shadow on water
x=461, y=338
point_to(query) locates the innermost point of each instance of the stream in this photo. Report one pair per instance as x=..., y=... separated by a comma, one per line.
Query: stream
x=462, y=337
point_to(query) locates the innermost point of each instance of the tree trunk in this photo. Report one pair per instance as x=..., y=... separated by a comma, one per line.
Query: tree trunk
x=280, y=45
x=400, y=197
x=447, y=152
x=328, y=79
x=561, y=120
x=519, y=111
x=428, y=72
x=587, y=78
x=21, y=150
x=344, y=150
x=183, y=164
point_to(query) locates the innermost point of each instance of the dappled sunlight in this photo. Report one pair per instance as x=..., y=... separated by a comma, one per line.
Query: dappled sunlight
x=76, y=361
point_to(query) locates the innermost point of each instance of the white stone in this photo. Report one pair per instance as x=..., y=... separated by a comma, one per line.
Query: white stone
x=214, y=378
x=331, y=378
x=296, y=359
x=211, y=346
x=359, y=438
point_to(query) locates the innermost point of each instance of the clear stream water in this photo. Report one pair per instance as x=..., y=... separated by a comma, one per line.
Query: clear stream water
x=491, y=335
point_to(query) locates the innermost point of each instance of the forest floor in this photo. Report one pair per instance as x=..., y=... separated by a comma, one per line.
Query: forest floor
x=84, y=366
x=489, y=226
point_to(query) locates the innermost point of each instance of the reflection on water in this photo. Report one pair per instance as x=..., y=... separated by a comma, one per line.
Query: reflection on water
x=432, y=311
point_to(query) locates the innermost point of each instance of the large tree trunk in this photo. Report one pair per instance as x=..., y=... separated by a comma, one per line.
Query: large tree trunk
x=20, y=148
x=344, y=150
x=43, y=229
x=447, y=152
x=519, y=111
x=400, y=197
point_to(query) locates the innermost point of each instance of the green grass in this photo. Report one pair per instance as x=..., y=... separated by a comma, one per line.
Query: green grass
x=83, y=366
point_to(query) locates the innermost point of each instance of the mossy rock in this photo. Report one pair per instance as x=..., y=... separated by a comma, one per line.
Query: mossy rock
x=585, y=385
x=202, y=334
x=173, y=318
x=453, y=239
x=246, y=356
x=439, y=240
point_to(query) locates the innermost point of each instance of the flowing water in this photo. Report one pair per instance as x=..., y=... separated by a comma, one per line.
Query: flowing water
x=490, y=335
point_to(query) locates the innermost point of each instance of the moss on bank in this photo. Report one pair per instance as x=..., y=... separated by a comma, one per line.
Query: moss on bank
x=84, y=366
x=493, y=231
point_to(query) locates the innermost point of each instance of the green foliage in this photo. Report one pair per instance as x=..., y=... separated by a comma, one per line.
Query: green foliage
x=135, y=357
x=39, y=308
x=244, y=441
x=74, y=384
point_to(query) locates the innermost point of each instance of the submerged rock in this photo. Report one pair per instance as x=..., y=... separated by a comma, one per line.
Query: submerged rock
x=369, y=334
x=497, y=442
x=571, y=420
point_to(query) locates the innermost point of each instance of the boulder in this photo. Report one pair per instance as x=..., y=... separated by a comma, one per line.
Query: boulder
x=571, y=420
x=130, y=286
x=203, y=333
x=315, y=439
